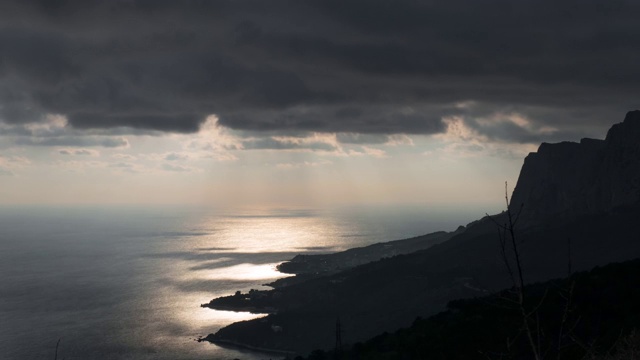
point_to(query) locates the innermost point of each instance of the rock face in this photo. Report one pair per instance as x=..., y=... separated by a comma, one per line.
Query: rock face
x=570, y=179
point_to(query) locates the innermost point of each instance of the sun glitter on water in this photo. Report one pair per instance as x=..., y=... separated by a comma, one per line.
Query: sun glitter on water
x=246, y=272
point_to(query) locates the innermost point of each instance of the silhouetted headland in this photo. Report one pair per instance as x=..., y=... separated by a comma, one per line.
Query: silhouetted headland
x=587, y=194
x=593, y=176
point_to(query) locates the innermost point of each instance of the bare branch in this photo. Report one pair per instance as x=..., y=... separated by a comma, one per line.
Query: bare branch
x=57, y=345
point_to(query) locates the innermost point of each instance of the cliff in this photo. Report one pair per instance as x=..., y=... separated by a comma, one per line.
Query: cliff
x=570, y=179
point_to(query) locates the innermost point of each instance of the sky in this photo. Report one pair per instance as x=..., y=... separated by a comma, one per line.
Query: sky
x=301, y=103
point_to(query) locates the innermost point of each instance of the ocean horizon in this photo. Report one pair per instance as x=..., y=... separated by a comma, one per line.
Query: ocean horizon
x=127, y=282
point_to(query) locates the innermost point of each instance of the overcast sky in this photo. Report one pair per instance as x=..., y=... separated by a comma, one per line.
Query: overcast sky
x=301, y=102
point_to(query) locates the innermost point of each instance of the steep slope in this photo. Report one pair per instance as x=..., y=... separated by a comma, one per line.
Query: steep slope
x=602, y=312
x=572, y=179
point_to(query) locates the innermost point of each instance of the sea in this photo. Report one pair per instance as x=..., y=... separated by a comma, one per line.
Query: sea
x=126, y=282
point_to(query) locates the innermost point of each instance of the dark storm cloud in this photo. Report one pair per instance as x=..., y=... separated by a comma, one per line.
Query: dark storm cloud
x=504, y=130
x=51, y=131
x=368, y=67
x=372, y=119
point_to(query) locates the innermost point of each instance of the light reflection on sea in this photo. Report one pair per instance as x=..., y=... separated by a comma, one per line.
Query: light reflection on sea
x=127, y=283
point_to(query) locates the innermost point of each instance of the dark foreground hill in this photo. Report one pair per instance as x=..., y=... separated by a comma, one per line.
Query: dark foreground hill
x=388, y=294
x=588, y=315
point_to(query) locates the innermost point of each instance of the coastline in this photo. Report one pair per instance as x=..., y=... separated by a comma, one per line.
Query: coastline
x=309, y=268
x=235, y=344
x=250, y=309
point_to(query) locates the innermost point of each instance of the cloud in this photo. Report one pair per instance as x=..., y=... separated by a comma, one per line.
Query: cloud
x=365, y=151
x=74, y=141
x=463, y=141
x=212, y=141
x=398, y=140
x=76, y=152
x=287, y=143
x=365, y=67
x=374, y=152
x=54, y=130
x=176, y=156
x=380, y=139
x=508, y=127
x=356, y=138
x=368, y=119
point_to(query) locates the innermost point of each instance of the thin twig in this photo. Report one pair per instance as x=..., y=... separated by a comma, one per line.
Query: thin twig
x=57, y=344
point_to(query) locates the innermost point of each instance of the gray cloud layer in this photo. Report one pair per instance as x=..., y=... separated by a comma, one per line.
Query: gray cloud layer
x=370, y=67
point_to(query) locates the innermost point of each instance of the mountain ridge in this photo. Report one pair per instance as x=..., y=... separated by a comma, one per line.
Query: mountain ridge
x=592, y=176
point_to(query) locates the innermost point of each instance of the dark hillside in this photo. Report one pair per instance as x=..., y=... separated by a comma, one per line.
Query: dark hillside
x=602, y=310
